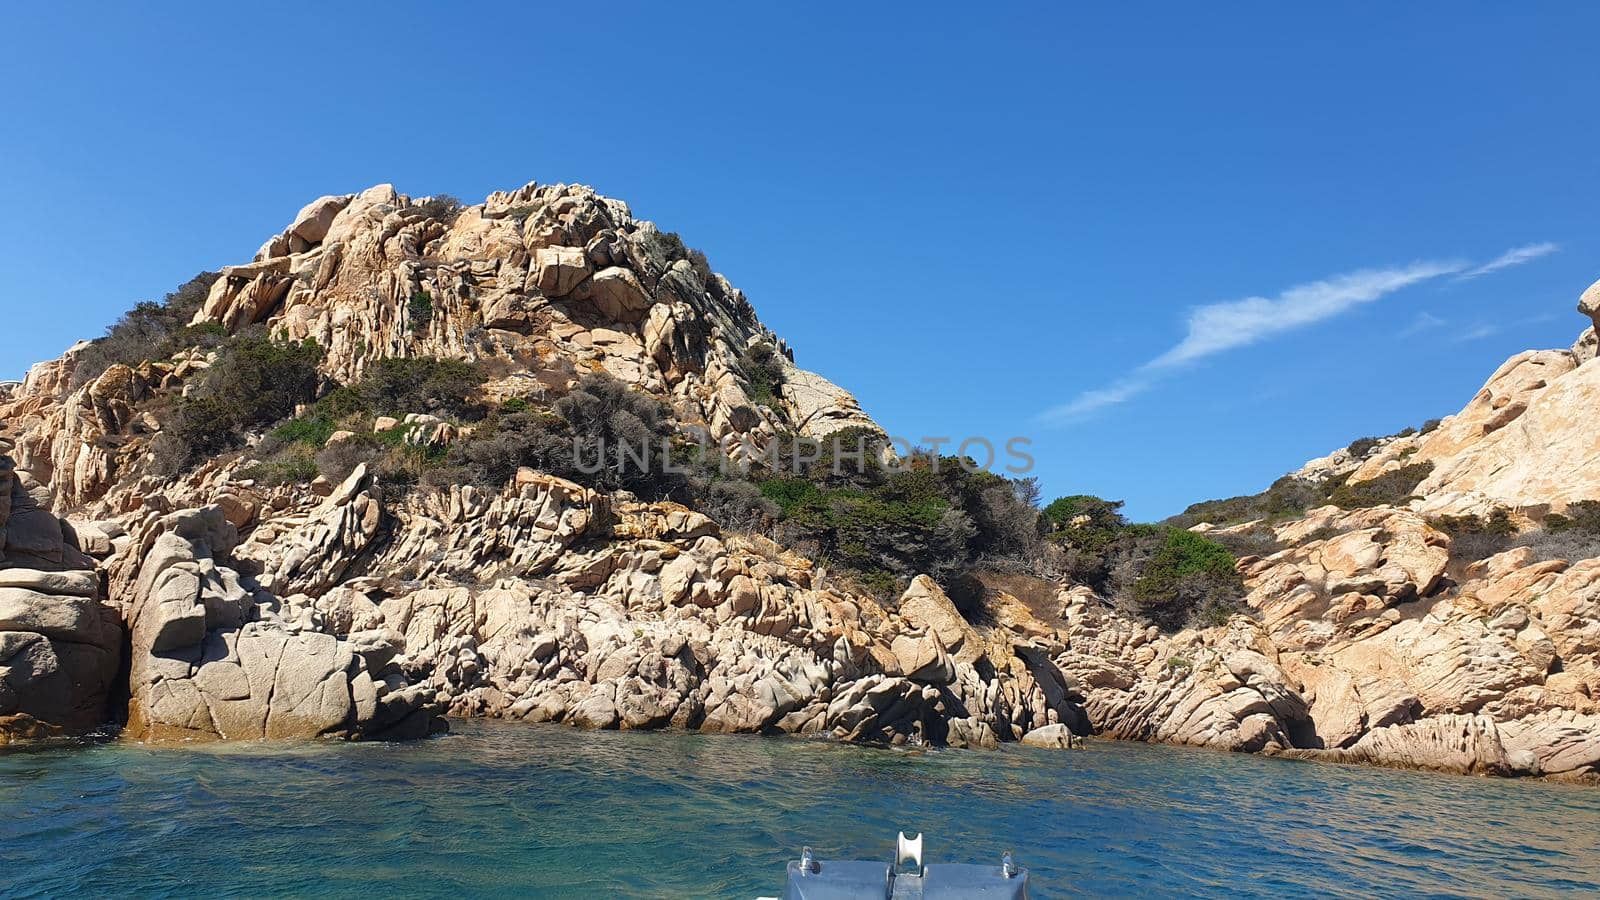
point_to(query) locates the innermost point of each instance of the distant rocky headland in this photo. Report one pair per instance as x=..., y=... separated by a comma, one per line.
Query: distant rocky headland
x=360, y=484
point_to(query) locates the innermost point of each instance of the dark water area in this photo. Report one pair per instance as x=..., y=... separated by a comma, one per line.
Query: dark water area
x=508, y=809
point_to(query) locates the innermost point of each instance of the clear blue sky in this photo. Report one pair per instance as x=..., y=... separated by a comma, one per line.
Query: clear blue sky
x=970, y=215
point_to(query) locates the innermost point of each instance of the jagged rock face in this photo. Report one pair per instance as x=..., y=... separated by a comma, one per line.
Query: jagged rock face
x=1525, y=441
x=1396, y=664
x=214, y=656
x=548, y=281
x=542, y=285
x=549, y=602
x=256, y=613
x=59, y=643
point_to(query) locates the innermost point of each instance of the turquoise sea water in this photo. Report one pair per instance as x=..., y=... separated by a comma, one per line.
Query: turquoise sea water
x=514, y=809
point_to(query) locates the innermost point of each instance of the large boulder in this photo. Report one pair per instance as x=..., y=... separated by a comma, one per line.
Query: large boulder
x=214, y=657
x=558, y=270
x=314, y=219
x=616, y=293
x=59, y=644
x=1589, y=304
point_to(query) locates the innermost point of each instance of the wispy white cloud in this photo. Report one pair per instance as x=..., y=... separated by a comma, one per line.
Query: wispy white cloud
x=1425, y=321
x=1089, y=402
x=1514, y=257
x=1219, y=327
x=1240, y=323
x=1475, y=333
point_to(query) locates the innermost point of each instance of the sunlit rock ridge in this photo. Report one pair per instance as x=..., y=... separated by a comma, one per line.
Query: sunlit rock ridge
x=203, y=601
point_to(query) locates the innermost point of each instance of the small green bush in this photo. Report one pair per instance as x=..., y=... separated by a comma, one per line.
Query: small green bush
x=313, y=430
x=151, y=331
x=443, y=207
x=1572, y=536
x=294, y=465
x=671, y=245
x=791, y=494
x=1393, y=488
x=1477, y=537
x=1187, y=574
x=763, y=372
x=1065, y=512
x=1360, y=448
x=419, y=310
x=1583, y=515
x=398, y=386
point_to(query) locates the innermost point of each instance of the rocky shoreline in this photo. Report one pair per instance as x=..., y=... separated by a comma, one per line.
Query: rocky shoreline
x=209, y=605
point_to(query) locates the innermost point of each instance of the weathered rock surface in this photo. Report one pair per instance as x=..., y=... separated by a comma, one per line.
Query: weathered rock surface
x=215, y=657
x=1523, y=441
x=548, y=602
x=334, y=611
x=59, y=643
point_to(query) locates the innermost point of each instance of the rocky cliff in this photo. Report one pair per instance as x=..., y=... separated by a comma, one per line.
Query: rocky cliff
x=207, y=603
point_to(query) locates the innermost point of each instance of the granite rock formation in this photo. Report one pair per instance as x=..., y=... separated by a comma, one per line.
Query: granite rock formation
x=207, y=605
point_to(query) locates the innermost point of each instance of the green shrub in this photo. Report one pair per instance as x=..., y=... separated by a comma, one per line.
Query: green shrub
x=1215, y=611
x=259, y=381
x=313, y=430
x=587, y=429
x=1583, y=515
x=293, y=465
x=1187, y=574
x=151, y=331
x=419, y=310
x=702, y=267
x=929, y=516
x=737, y=504
x=398, y=386
x=1165, y=574
x=443, y=207
x=763, y=372
x=1287, y=498
x=876, y=526
x=671, y=245
x=791, y=494
x=1086, y=524
x=1361, y=447
x=1572, y=536
x=1393, y=488
x=254, y=382
x=1431, y=426
x=1065, y=513
x=1476, y=537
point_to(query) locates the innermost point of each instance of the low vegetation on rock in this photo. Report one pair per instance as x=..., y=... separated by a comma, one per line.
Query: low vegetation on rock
x=254, y=382
x=1292, y=496
x=1169, y=575
x=151, y=331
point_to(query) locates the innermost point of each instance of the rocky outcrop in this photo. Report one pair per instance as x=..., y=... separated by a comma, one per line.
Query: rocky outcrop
x=1589, y=304
x=1521, y=443
x=59, y=643
x=220, y=609
x=549, y=281
x=550, y=602
x=215, y=657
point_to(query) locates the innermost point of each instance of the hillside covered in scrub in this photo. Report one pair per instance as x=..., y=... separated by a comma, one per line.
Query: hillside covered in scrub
x=534, y=458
